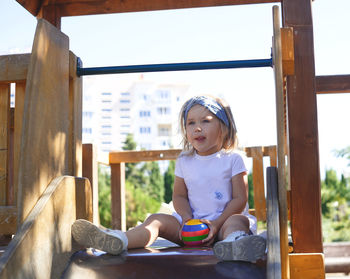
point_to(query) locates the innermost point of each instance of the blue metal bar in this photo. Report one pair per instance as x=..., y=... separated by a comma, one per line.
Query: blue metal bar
x=174, y=67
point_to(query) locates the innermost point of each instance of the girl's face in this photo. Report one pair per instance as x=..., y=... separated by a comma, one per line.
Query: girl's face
x=203, y=130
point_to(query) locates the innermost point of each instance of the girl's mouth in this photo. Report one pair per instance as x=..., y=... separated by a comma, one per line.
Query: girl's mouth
x=201, y=138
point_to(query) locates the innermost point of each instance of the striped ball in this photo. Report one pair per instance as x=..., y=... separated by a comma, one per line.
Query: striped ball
x=193, y=232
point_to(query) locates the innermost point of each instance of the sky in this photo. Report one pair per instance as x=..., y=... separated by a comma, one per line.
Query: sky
x=208, y=34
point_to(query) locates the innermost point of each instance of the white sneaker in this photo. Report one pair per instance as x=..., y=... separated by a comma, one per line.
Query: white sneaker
x=91, y=236
x=248, y=248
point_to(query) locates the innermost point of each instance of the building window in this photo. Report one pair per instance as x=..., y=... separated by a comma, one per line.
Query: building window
x=106, y=101
x=163, y=94
x=108, y=110
x=124, y=109
x=87, y=114
x=124, y=101
x=162, y=131
x=145, y=130
x=163, y=110
x=87, y=130
x=106, y=126
x=106, y=93
x=145, y=113
x=125, y=117
x=125, y=93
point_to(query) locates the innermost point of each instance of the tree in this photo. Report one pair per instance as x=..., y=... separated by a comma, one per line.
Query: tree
x=156, y=181
x=104, y=194
x=169, y=177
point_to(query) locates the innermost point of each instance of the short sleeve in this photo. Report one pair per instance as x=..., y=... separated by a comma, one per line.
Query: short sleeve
x=178, y=168
x=238, y=165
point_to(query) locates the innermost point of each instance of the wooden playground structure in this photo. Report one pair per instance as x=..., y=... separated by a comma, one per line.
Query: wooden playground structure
x=48, y=178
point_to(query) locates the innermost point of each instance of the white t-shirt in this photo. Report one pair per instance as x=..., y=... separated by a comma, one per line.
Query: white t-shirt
x=208, y=182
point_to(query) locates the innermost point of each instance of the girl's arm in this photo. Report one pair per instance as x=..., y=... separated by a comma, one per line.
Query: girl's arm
x=235, y=206
x=180, y=201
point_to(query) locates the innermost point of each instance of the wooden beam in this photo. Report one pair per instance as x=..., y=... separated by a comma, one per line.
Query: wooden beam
x=43, y=244
x=303, y=134
x=4, y=140
x=87, y=7
x=307, y=265
x=45, y=130
x=333, y=84
x=13, y=68
x=142, y=156
x=118, y=196
x=8, y=220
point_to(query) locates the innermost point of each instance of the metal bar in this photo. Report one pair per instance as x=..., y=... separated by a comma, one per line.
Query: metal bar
x=174, y=67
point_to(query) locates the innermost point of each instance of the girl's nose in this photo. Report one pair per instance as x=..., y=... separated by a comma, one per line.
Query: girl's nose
x=198, y=128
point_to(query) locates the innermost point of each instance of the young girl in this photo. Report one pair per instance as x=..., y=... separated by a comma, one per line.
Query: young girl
x=210, y=185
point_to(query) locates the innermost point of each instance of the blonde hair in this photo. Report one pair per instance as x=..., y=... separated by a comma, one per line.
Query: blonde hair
x=229, y=133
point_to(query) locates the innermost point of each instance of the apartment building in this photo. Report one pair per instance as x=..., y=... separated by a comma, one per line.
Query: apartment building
x=146, y=109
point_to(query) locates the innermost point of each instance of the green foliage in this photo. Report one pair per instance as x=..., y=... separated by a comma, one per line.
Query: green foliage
x=104, y=196
x=138, y=204
x=169, y=177
x=335, y=197
x=144, y=189
x=250, y=191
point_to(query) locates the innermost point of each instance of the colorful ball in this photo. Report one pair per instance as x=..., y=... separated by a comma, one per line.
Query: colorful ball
x=193, y=232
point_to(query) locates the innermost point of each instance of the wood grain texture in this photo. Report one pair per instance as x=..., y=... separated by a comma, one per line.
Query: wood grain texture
x=274, y=270
x=307, y=265
x=4, y=140
x=45, y=129
x=43, y=244
x=14, y=68
x=303, y=132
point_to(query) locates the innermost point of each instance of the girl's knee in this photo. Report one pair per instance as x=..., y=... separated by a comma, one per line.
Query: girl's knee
x=237, y=221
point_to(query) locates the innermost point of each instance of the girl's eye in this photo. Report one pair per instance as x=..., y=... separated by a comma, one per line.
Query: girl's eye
x=190, y=123
x=206, y=120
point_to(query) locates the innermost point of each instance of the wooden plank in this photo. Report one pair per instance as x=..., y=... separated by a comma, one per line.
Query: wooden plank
x=118, y=196
x=8, y=220
x=307, y=265
x=274, y=270
x=281, y=144
x=90, y=171
x=45, y=131
x=43, y=244
x=14, y=68
x=258, y=183
x=303, y=133
x=76, y=111
x=287, y=51
x=333, y=84
x=141, y=156
x=90, y=7
x=19, y=108
x=4, y=139
x=83, y=200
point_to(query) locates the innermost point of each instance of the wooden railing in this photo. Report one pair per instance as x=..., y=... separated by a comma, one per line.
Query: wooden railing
x=117, y=162
x=40, y=136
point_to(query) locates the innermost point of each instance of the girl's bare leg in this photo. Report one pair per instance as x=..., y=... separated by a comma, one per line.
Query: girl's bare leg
x=162, y=225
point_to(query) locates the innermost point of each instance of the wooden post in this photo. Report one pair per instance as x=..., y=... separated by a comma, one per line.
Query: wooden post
x=4, y=140
x=90, y=171
x=118, y=196
x=258, y=182
x=45, y=130
x=76, y=111
x=303, y=134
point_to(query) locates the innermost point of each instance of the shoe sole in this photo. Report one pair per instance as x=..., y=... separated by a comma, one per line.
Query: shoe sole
x=90, y=236
x=249, y=249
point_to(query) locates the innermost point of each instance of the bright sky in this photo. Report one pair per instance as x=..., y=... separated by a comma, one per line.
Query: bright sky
x=209, y=34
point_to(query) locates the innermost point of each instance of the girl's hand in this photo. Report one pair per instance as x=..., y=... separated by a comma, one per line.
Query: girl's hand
x=182, y=225
x=213, y=231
